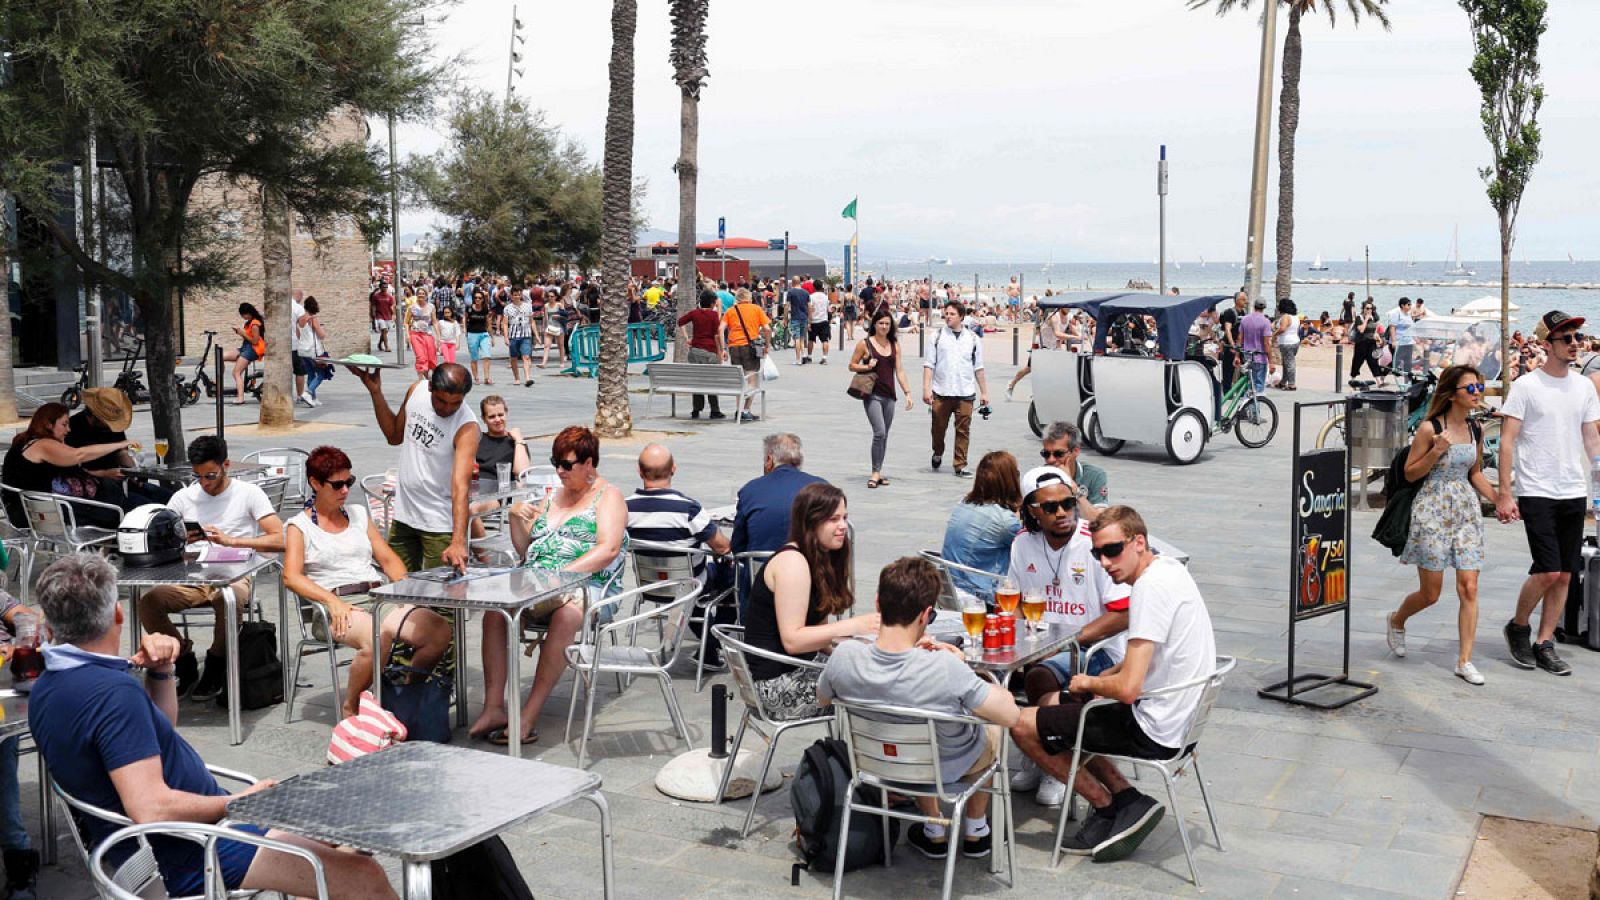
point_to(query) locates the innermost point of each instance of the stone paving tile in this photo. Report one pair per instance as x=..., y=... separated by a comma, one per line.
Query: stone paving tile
x=1404, y=872
x=1299, y=888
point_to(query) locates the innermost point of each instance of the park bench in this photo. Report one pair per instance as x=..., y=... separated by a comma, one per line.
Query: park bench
x=673, y=379
x=647, y=342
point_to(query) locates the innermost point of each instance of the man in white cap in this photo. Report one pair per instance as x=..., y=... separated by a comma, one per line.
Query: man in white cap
x=1051, y=559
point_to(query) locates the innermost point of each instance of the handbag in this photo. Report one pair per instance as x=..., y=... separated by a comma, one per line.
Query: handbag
x=371, y=729
x=419, y=698
x=757, y=344
x=483, y=871
x=862, y=383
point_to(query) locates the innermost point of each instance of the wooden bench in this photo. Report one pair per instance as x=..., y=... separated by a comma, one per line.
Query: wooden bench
x=647, y=342
x=673, y=379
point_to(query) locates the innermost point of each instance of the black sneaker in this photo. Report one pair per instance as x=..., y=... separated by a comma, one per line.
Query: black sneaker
x=917, y=836
x=747, y=417
x=22, y=870
x=1133, y=824
x=1544, y=653
x=528, y=383
x=213, y=681
x=187, y=669
x=1096, y=828
x=1519, y=642
x=936, y=461
x=977, y=847
x=717, y=415
x=694, y=413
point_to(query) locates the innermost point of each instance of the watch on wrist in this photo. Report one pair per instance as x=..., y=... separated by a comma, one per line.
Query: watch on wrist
x=153, y=675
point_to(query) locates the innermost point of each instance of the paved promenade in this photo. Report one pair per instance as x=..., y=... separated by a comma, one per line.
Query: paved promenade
x=1379, y=799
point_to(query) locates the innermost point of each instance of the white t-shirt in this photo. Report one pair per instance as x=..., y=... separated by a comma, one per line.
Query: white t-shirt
x=1167, y=610
x=1400, y=323
x=296, y=339
x=819, y=308
x=335, y=560
x=427, y=460
x=236, y=513
x=1550, y=460
x=449, y=331
x=1085, y=591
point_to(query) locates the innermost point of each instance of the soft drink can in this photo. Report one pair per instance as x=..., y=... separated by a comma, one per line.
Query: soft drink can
x=991, y=636
x=1008, y=630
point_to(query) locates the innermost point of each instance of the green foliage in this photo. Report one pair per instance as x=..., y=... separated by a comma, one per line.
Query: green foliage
x=1356, y=8
x=1505, y=36
x=521, y=198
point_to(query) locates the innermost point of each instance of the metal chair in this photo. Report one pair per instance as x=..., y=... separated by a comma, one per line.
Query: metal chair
x=54, y=522
x=745, y=567
x=1209, y=687
x=738, y=654
x=653, y=563
x=285, y=462
x=276, y=487
x=313, y=619
x=17, y=539
x=143, y=881
x=897, y=748
x=949, y=594
x=591, y=657
x=379, y=491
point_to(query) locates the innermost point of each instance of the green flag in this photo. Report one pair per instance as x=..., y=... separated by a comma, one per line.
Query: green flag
x=850, y=211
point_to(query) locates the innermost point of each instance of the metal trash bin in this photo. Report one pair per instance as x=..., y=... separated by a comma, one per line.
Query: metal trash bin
x=1375, y=429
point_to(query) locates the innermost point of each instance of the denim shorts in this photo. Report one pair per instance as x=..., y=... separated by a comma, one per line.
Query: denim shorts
x=478, y=344
x=521, y=347
x=1060, y=665
x=248, y=352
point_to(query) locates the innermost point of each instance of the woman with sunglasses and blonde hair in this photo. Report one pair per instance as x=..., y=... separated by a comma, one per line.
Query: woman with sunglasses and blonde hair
x=1446, y=521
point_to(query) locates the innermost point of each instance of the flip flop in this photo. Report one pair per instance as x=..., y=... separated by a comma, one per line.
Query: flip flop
x=873, y=482
x=501, y=737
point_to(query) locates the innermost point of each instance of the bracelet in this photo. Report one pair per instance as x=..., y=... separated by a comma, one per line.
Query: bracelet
x=153, y=675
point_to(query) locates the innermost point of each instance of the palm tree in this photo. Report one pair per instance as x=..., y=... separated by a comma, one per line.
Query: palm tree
x=8, y=384
x=1289, y=109
x=688, y=58
x=277, y=265
x=612, y=415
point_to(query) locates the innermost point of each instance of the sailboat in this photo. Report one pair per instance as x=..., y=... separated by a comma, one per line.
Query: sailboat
x=1410, y=263
x=1202, y=262
x=1456, y=268
x=1317, y=265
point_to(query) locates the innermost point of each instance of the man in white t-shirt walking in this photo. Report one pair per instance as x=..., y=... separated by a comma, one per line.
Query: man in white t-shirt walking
x=1169, y=643
x=821, y=323
x=230, y=513
x=1547, y=439
x=952, y=375
x=1051, y=559
x=1400, y=324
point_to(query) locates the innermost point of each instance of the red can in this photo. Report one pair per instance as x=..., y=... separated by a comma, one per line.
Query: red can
x=991, y=636
x=1008, y=629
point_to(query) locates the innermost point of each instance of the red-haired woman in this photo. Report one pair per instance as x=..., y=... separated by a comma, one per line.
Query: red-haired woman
x=40, y=460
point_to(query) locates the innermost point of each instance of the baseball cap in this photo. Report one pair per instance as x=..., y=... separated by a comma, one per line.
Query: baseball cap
x=1553, y=321
x=1043, y=476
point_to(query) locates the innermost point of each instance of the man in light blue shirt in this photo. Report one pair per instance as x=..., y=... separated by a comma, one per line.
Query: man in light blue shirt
x=1400, y=322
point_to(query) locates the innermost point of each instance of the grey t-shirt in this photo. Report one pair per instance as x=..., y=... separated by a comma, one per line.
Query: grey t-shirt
x=925, y=679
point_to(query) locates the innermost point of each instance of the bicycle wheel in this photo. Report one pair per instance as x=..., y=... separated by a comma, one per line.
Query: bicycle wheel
x=1256, y=422
x=71, y=397
x=1332, y=433
x=1033, y=421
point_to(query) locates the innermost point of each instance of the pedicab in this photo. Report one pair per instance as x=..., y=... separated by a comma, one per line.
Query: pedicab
x=1062, y=372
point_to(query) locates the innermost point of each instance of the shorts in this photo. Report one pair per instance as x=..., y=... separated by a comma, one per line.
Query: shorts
x=1060, y=666
x=478, y=344
x=301, y=366
x=792, y=695
x=1108, y=729
x=416, y=548
x=744, y=356
x=797, y=327
x=248, y=352
x=384, y=326
x=820, y=331
x=1555, y=533
x=521, y=347
x=234, y=857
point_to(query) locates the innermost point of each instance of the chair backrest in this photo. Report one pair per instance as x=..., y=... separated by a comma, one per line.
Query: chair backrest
x=737, y=653
x=112, y=885
x=49, y=516
x=654, y=562
x=138, y=873
x=379, y=490
x=895, y=743
x=285, y=462
x=274, y=488
x=745, y=567
x=950, y=596
x=1208, y=699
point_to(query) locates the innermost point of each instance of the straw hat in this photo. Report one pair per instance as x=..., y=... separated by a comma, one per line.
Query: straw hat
x=110, y=406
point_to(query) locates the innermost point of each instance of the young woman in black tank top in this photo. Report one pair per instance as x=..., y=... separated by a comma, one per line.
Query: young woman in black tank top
x=879, y=354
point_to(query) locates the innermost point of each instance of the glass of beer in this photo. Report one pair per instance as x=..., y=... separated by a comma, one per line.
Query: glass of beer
x=1033, y=612
x=161, y=451
x=1007, y=595
x=973, y=617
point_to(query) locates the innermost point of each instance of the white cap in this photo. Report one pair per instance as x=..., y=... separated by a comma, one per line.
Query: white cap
x=1043, y=476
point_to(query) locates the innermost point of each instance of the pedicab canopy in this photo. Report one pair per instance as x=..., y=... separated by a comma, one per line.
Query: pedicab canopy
x=1173, y=315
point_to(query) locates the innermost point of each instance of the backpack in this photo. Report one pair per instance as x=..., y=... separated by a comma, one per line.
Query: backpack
x=817, y=799
x=484, y=871
x=1393, y=529
x=260, y=672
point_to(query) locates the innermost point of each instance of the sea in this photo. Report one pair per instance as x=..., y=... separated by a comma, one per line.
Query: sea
x=1537, y=285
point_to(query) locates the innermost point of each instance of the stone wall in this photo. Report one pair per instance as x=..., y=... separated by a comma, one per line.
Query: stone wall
x=335, y=269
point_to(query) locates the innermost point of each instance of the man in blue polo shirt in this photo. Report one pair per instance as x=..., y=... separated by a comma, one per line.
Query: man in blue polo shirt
x=762, y=522
x=112, y=743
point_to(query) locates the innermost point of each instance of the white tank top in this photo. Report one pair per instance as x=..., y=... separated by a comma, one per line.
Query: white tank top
x=427, y=459
x=335, y=560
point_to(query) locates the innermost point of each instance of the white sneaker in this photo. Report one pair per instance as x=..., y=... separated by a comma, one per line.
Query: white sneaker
x=1009, y=389
x=1397, y=637
x=1026, y=777
x=304, y=398
x=1469, y=673
x=1051, y=791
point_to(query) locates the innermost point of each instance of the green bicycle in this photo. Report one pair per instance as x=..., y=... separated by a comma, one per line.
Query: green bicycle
x=1252, y=417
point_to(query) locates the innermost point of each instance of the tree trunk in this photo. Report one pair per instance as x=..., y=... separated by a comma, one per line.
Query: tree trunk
x=1505, y=306
x=688, y=188
x=277, y=264
x=613, y=417
x=161, y=349
x=8, y=381
x=1288, y=122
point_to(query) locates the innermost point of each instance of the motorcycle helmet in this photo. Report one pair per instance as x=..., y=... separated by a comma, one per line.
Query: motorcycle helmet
x=151, y=535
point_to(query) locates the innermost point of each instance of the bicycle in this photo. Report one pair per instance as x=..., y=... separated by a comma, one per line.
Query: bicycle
x=781, y=338
x=1252, y=417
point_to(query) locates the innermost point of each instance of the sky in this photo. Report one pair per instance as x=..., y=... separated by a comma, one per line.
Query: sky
x=1028, y=130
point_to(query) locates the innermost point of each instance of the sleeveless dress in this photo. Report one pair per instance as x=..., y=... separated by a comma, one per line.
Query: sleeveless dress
x=555, y=548
x=1446, y=521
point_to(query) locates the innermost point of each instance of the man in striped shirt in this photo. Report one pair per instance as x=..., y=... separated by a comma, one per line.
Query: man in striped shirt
x=518, y=324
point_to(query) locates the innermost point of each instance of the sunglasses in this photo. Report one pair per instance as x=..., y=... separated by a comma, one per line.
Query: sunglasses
x=1109, y=551
x=564, y=465
x=209, y=476
x=1051, y=507
x=1571, y=338
x=340, y=484
x=1054, y=454
x=1471, y=388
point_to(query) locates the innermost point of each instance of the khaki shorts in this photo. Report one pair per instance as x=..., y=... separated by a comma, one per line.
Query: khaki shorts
x=993, y=735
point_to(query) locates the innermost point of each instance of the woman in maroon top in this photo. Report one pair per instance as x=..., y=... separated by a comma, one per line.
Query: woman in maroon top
x=702, y=328
x=879, y=354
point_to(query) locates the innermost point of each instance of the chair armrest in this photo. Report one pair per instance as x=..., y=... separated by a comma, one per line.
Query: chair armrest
x=92, y=504
x=231, y=775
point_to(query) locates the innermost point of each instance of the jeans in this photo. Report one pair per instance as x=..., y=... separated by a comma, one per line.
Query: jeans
x=318, y=375
x=1402, y=359
x=880, y=413
x=1258, y=375
x=1288, y=352
x=13, y=834
x=704, y=357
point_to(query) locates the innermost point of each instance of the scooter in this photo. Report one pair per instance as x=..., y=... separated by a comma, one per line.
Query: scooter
x=189, y=391
x=130, y=381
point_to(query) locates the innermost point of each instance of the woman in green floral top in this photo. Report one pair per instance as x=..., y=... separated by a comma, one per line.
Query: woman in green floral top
x=580, y=528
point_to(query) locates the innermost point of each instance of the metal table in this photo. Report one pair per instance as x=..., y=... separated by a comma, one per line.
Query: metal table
x=999, y=665
x=420, y=802
x=211, y=575
x=183, y=475
x=509, y=594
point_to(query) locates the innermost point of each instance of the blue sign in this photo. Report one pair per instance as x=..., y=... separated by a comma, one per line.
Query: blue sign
x=722, y=228
x=777, y=244
x=849, y=267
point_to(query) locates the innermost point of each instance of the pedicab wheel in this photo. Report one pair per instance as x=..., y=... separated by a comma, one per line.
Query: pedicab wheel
x=1033, y=420
x=1186, y=437
x=1089, y=427
x=1256, y=423
x=71, y=397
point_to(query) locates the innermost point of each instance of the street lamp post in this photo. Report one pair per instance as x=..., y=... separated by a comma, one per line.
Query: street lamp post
x=1161, y=194
x=394, y=242
x=1258, y=171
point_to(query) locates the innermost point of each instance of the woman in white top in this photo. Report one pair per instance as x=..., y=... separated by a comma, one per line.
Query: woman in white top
x=1287, y=332
x=423, y=318
x=449, y=334
x=333, y=555
x=312, y=334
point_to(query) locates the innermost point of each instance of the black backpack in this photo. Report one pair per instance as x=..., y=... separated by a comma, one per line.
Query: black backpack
x=817, y=798
x=260, y=672
x=484, y=871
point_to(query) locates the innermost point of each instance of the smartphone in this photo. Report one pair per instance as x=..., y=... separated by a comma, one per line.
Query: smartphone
x=194, y=531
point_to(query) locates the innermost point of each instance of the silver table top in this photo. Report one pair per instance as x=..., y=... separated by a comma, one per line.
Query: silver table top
x=1047, y=643
x=418, y=801
x=505, y=591
x=211, y=574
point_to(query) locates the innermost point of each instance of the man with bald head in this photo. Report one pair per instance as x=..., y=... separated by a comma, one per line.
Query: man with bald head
x=1229, y=322
x=660, y=514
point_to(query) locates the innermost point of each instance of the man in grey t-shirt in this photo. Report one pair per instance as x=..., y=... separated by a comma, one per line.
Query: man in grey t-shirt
x=904, y=667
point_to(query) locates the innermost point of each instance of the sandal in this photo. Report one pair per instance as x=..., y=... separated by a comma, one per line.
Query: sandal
x=501, y=737
x=882, y=481
x=873, y=482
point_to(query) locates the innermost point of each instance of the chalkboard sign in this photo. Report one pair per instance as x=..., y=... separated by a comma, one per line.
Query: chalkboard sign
x=1321, y=532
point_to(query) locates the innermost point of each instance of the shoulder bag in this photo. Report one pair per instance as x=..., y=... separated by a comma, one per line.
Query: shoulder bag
x=757, y=344
x=862, y=383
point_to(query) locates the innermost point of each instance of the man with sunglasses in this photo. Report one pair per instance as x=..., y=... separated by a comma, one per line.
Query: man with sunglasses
x=1063, y=448
x=230, y=514
x=1170, y=642
x=1547, y=440
x=1051, y=559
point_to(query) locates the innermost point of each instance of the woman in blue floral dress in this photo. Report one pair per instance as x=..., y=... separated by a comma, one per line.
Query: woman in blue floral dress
x=1446, y=519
